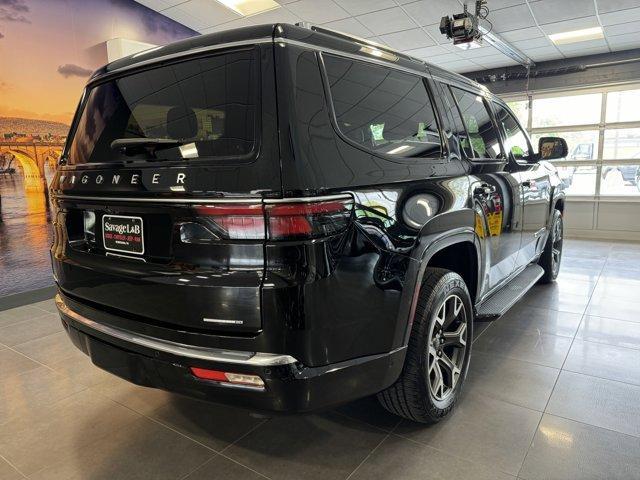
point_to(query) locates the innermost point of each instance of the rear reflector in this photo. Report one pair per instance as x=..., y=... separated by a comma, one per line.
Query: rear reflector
x=276, y=221
x=229, y=378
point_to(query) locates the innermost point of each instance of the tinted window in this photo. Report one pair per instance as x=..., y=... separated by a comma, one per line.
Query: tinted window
x=516, y=140
x=208, y=104
x=458, y=125
x=381, y=109
x=483, y=138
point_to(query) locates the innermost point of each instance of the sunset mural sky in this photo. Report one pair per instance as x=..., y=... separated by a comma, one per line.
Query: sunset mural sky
x=49, y=47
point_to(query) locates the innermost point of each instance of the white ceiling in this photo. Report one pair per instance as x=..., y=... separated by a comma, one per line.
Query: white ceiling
x=413, y=26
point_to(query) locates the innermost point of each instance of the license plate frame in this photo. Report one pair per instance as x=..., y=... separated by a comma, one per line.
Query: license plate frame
x=122, y=236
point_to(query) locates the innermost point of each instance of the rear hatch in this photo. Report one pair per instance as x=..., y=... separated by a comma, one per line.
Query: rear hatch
x=160, y=213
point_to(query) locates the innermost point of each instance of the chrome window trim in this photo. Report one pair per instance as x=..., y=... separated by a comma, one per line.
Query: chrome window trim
x=365, y=58
x=184, y=53
x=200, y=201
x=426, y=72
x=256, y=359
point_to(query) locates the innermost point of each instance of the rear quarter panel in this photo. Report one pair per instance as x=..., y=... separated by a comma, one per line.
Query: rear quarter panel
x=348, y=296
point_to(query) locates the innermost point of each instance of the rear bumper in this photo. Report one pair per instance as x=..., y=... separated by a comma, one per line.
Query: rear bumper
x=290, y=386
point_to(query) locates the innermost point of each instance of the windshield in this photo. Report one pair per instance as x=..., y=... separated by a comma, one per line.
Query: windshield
x=207, y=105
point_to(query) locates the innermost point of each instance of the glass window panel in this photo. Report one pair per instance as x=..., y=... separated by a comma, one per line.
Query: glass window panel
x=572, y=110
x=621, y=143
x=623, y=106
x=381, y=109
x=582, y=145
x=516, y=140
x=578, y=180
x=460, y=130
x=211, y=102
x=521, y=110
x=620, y=180
x=483, y=136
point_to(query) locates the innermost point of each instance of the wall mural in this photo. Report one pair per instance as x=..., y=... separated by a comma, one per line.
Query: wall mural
x=48, y=49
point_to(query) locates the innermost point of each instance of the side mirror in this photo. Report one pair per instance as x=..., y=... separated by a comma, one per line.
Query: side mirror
x=552, y=148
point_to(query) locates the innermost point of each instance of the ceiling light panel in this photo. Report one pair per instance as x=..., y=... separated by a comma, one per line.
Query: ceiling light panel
x=575, y=36
x=249, y=7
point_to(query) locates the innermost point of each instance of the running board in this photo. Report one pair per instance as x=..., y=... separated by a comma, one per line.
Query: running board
x=497, y=304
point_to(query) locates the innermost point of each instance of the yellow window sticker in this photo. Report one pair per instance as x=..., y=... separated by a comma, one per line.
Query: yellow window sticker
x=495, y=223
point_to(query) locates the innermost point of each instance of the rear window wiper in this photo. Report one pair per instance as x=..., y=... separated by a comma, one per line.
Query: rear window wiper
x=131, y=146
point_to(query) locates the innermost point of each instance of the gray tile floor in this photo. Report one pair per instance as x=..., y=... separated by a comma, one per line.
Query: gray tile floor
x=553, y=393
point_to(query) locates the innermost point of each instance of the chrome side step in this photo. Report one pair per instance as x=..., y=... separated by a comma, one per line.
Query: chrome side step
x=500, y=302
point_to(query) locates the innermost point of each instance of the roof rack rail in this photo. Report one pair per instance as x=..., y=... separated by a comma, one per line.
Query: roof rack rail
x=347, y=36
x=379, y=50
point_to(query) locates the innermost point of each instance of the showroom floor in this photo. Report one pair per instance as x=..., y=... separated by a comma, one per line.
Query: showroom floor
x=553, y=392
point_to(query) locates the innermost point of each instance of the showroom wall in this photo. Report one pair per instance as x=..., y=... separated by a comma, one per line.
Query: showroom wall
x=602, y=171
x=48, y=49
x=594, y=103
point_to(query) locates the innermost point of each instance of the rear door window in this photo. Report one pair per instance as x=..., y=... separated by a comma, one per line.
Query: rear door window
x=381, y=109
x=208, y=105
x=458, y=125
x=516, y=141
x=483, y=141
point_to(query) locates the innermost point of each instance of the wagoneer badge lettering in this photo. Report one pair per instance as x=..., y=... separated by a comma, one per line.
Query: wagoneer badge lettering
x=102, y=179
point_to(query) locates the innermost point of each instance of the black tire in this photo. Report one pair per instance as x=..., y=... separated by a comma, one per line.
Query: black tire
x=548, y=261
x=411, y=395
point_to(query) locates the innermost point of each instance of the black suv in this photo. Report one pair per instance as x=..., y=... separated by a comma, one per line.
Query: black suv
x=288, y=218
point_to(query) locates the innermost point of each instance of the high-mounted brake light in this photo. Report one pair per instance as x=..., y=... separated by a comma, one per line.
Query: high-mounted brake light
x=276, y=221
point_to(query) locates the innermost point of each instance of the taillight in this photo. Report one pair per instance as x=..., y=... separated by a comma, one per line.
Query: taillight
x=276, y=221
x=307, y=220
x=234, y=221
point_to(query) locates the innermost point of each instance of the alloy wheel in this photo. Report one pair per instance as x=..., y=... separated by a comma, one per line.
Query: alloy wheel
x=447, y=347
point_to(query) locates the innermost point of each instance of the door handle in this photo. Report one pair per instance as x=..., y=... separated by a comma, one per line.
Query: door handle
x=484, y=189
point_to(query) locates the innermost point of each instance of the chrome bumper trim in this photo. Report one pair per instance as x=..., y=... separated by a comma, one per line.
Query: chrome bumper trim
x=256, y=359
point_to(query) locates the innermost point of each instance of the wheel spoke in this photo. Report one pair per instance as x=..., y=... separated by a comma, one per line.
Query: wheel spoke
x=447, y=346
x=456, y=338
x=437, y=384
x=455, y=305
x=448, y=364
x=433, y=354
x=442, y=314
x=451, y=368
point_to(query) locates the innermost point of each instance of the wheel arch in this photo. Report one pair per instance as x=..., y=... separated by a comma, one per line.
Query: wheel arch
x=557, y=203
x=457, y=249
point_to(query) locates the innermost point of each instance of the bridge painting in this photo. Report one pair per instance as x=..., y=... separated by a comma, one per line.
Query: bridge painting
x=32, y=157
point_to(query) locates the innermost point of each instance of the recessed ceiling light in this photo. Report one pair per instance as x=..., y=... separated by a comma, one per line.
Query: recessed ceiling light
x=575, y=36
x=249, y=7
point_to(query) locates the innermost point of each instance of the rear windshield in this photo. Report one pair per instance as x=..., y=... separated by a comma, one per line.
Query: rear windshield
x=207, y=105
